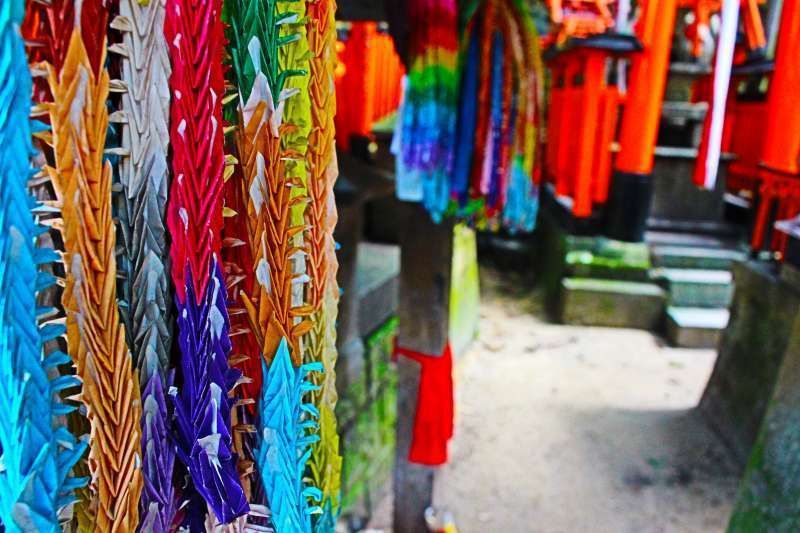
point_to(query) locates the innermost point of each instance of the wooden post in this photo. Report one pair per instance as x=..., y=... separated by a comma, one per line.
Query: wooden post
x=358, y=182
x=631, y=186
x=412, y=484
x=425, y=271
x=594, y=82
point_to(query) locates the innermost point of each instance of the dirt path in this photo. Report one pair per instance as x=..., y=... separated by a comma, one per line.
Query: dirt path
x=573, y=429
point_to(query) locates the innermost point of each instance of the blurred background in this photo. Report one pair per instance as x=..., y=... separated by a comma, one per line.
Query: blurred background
x=584, y=212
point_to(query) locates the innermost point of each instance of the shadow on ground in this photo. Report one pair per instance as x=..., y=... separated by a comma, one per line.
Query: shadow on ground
x=576, y=429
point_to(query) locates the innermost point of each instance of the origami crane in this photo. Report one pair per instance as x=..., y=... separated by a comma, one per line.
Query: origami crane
x=194, y=218
x=95, y=336
x=325, y=463
x=37, y=453
x=143, y=172
x=284, y=441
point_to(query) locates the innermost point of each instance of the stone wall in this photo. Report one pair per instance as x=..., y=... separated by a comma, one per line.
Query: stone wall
x=750, y=355
x=769, y=497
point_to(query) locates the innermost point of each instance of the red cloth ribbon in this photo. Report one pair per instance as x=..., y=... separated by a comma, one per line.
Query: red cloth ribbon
x=433, y=422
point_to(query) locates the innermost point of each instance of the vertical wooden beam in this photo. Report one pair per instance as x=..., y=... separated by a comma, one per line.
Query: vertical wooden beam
x=648, y=78
x=412, y=483
x=426, y=258
x=631, y=187
x=594, y=81
x=425, y=272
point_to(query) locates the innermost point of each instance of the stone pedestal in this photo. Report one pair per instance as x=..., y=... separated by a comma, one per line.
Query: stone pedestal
x=769, y=497
x=751, y=353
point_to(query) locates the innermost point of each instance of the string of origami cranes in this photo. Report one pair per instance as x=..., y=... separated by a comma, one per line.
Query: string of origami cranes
x=179, y=140
x=466, y=143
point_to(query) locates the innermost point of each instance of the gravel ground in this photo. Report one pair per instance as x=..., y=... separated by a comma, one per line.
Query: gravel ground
x=575, y=429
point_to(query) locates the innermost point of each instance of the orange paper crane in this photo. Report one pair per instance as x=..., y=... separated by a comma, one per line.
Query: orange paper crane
x=95, y=335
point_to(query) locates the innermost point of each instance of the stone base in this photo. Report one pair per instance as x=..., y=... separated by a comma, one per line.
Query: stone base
x=603, y=258
x=769, y=497
x=695, y=327
x=697, y=288
x=464, y=291
x=597, y=302
x=677, y=256
x=377, y=283
x=366, y=413
x=751, y=352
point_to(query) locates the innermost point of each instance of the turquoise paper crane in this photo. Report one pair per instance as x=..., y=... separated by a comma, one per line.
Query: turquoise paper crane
x=37, y=452
x=284, y=443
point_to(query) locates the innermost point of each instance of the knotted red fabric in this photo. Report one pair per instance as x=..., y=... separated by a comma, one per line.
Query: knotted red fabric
x=433, y=422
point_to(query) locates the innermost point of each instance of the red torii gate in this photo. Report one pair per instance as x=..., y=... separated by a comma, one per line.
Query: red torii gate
x=779, y=172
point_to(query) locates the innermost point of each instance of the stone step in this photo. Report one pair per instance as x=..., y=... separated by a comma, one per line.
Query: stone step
x=603, y=258
x=611, y=303
x=676, y=238
x=628, y=252
x=585, y=264
x=725, y=231
x=696, y=327
x=697, y=287
x=693, y=257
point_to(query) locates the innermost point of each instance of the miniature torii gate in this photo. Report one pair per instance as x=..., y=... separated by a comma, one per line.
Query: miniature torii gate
x=703, y=9
x=583, y=119
x=779, y=172
x=764, y=135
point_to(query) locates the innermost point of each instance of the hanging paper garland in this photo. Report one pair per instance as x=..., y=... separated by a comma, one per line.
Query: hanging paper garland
x=95, y=335
x=428, y=118
x=194, y=218
x=325, y=463
x=283, y=62
x=502, y=78
x=255, y=75
x=486, y=143
x=270, y=66
x=143, y=175
x=37, y=454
